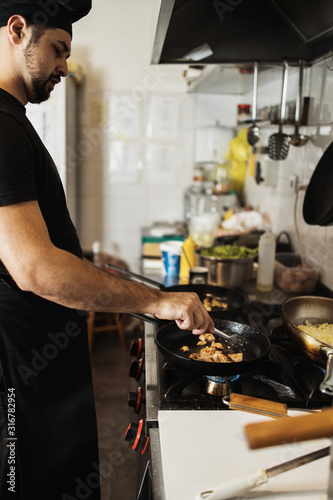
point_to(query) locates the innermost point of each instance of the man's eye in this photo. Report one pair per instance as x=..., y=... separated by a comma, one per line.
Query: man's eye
x=57, y=51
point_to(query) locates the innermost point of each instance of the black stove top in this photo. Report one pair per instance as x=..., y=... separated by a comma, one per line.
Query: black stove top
x=285, y=375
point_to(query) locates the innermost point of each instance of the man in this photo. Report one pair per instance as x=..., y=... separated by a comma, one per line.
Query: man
x=48, y=439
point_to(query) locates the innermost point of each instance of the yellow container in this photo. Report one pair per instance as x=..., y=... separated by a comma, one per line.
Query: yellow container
x=188, y=258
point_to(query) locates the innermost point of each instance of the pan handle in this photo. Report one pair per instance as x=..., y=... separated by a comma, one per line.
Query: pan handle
x=136, y=277
x=148, y=319
x=327, y=384
x=290, y=430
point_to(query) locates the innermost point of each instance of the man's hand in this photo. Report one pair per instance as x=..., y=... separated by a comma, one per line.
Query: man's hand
x=187, y=310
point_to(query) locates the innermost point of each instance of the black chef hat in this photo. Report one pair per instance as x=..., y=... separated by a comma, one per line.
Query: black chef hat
x=53, y=13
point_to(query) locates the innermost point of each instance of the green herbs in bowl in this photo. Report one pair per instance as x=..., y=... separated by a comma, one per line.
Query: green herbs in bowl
x=229, y=252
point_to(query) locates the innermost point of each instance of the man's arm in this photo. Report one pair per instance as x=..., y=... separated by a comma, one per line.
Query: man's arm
x=38, y=266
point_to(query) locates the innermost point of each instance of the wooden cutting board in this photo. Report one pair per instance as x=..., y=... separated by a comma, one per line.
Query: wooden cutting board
x=200, y=449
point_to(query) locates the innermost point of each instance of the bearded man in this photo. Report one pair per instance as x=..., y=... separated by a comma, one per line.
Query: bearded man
x=48, y=436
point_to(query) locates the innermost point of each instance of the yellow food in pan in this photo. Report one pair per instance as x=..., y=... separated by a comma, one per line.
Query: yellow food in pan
x=322, y=331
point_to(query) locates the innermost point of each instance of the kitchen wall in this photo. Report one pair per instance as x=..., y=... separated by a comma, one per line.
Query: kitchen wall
x=123, y=95
x=129, y=176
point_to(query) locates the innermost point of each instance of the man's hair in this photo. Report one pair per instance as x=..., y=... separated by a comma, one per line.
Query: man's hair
x=36, y=32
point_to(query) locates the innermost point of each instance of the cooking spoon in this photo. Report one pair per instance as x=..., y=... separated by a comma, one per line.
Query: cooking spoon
x=297, y=139
x=278, y=144
x=253, y=133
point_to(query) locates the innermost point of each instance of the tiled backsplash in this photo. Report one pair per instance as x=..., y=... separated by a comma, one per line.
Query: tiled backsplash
x=114, y=212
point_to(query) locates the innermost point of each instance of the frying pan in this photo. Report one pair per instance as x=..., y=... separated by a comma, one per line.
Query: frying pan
x=316, y=310
x=318, y=200
x=169, y=339
x=234, y=299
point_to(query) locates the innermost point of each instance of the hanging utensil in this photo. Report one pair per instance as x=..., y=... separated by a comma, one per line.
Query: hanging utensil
x=278, y=144
x=297, y=139
x=253, y=133
x=318, y=140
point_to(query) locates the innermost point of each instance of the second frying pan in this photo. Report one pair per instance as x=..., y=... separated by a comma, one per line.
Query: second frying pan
x=318, y=200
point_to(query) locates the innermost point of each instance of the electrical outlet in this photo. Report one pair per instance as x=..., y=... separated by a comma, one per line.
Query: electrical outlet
x=294, y=182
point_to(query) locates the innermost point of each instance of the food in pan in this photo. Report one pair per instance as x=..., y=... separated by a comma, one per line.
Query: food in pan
x=213, y=352
x=209, y=337
x=322, y=331
x=211, y=303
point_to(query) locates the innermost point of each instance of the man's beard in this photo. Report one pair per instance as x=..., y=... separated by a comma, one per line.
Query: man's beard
x=37, y=91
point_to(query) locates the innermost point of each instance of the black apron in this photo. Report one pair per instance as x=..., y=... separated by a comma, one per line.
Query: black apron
x=46, y=385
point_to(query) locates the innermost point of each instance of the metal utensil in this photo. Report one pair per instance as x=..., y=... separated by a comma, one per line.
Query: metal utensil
x=297, y=139
x=278, y=143
x=318, y=140
x=238, y=486
x=253, y=133
x=235, y=341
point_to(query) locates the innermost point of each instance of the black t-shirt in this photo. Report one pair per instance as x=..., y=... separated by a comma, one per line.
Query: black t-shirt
x=27, y=172
x=44, y=354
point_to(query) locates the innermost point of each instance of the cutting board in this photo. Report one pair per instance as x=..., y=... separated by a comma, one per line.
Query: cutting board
x=201, y=449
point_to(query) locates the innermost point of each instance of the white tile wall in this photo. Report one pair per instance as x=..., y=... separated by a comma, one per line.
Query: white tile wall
x=315, y=242
x=114, y=213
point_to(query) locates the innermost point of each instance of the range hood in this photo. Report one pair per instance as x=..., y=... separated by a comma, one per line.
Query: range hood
x=243, y=31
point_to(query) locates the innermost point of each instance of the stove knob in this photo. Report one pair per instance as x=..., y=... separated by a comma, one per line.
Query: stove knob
x=136, y=348
x=133, y=434
x=136, y=369
x=145, y=445
x=135, y=399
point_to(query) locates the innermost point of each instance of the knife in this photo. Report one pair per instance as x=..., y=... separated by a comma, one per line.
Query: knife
x=238, y=486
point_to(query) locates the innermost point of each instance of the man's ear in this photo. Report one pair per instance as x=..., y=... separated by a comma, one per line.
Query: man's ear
x=16, y=28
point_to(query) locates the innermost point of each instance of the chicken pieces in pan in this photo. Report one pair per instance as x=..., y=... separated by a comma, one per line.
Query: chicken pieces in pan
x=213, y=351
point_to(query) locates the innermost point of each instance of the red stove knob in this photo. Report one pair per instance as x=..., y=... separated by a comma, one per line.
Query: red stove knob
x=133, y=434
x=136, y=348
x=136, y=369
x=135, y=399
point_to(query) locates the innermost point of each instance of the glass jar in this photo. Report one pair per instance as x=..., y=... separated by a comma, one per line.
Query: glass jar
x=243, y=113
x=222, y=178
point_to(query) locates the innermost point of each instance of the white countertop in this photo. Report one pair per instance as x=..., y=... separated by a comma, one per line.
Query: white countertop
x=201, y=449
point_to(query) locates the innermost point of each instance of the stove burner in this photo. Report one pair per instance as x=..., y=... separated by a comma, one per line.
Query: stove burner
x=218, y=386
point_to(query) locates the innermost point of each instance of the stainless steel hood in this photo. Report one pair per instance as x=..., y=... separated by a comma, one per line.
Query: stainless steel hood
x=242, y=31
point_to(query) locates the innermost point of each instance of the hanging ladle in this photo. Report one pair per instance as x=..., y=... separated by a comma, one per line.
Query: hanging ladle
x=297, y=139
x=253, y=133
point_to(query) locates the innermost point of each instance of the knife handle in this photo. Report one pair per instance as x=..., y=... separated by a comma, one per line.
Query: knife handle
x=235, y=487
x=290, y=430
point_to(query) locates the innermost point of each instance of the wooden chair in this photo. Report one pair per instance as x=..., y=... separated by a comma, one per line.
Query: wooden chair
x=105, y=322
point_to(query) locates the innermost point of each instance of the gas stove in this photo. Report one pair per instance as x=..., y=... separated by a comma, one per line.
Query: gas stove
x=285, y=375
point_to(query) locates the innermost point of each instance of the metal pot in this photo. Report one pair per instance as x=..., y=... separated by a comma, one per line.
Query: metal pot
x=231, y=273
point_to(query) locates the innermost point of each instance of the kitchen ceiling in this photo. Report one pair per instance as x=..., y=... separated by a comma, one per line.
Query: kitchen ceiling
x=242, y=31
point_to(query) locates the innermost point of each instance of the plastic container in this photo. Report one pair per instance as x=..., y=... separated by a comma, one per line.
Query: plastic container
x=203, y=229
x=292, y=277
x=171, y=252
x=266, y=258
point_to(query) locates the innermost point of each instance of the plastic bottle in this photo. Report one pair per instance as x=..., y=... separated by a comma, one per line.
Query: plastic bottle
x=266, y=257
x=96, y=250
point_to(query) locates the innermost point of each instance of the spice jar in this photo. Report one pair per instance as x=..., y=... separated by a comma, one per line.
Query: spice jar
x=243, y=113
